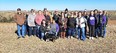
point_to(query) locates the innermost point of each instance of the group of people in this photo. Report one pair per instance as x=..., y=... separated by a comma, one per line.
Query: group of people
x=64, y=24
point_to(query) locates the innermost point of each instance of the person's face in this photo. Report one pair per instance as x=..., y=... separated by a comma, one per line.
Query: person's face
x=32, y=11
x=85, y=13
x=62, y=14
x=80, y=14
x=40, y=12
x=72, y=13
x=56, y=12
x=100, y=12
x=46, y=13
x=18, y=11
x=76, y=12
x=44, y=22
x=96, y=12
x=92, y=12
x=66, y=11
x=53, y=21
x=104, y=12
x=48, y=23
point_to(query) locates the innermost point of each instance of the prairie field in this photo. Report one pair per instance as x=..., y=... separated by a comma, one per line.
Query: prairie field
x=10, y=44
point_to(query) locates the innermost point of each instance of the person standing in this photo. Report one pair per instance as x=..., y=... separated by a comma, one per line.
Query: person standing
x=31, y=23
x=56, y=17
x=104, y=24
x=86, y=16
x=38, y=19
x=80, y=26
x=62, y=24
x=48, y=17
x=71, y=23
x=20, y=19
x=96, y=15
x=66, y=13
x=100, y=23
x=91, y=21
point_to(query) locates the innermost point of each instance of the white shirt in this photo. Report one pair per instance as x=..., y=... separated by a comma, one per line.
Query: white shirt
x=31, y=19
x=82, y=21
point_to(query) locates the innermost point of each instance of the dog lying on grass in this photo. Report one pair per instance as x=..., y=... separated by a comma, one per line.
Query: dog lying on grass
x=50, y=37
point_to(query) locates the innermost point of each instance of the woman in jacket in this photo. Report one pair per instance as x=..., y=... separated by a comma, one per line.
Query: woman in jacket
x=38, y=19
x=43, y=29
x=80, y=26
x=62, y=24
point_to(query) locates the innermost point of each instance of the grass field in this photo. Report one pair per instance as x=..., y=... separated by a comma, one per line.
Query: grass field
x=10, y=44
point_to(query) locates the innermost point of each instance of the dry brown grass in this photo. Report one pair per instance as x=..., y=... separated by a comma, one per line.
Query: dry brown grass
x=10, y=44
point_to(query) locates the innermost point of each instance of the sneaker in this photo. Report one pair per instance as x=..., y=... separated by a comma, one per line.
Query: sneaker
x=92, y=37
x=18, y=37
x=23, y=37
x=96, y=36
x=71, y=37
x=103, y=36
x=41, y=39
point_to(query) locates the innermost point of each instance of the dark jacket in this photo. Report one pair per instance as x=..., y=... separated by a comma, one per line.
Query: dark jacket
x=71, y=23
x=96, y=19
x=47, y=17
x=100, y=19
x=56, y=18
x=43, y=29
x=61, y=24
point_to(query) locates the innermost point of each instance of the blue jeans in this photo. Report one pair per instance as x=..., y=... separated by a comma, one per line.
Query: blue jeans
x=97, y=30
x=42, y=35
x=78, y=29
x=83, y=37
x=71, y=31
x=38, y=31
x=32, y=30
x=104, y=32
x=21, y=30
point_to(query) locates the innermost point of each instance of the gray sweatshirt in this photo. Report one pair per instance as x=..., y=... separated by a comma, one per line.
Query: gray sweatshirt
x=31, y=19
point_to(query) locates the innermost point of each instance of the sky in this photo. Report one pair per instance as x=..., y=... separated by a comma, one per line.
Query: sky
x=58, y=4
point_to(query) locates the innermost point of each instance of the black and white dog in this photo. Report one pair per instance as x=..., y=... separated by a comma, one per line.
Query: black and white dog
x=50, y=37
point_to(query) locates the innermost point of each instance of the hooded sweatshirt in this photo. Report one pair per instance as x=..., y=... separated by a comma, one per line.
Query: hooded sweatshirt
x=92, y=20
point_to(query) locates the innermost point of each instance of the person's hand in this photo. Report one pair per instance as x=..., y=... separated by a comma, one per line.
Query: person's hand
x=106, y=25
x=79, y=23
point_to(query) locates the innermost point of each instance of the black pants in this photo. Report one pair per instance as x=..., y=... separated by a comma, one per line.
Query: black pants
x=91, y=30
x=32, y=30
